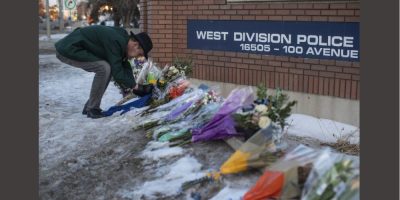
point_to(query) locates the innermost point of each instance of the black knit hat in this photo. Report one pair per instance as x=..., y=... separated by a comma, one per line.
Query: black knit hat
x=144, y=41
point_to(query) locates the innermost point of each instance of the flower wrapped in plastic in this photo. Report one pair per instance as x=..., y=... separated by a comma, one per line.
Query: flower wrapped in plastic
x=173, y=130
x=137, y=65
x=334, y=176
x=189, y=95
x=142, y=76
x=258, y=151
x=194, y=106
x=192, y=114
x=156, y=116
x=183, y=127
x=153, y=74
x=248, y=122
x=170, y=90
x=222, y=125
x=177, y=90
x=169, y=132
x=283, y=179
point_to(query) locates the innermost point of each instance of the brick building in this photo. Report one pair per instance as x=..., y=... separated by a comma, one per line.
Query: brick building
x=324, y=87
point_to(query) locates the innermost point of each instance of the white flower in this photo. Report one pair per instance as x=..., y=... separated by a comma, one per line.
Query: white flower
x=172, y=68
x=261, y=108
x=271, y=147
x=264, y=122
x=175, y=71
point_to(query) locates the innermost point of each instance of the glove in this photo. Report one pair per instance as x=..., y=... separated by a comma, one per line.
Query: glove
x=143, y=90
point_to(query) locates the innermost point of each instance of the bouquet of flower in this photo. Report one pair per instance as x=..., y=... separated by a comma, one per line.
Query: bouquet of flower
x=168, y=91
x=178, y=89
x=257, y=152
x=333, y=176
x=279, y=106
x=222, y=124
x=177, y=70
x=194, y=106
x=184, y=65
x=251, y=121
x=156, y=116
x=283, y=179
x=149, y=73
x=169, y=132
x=167, y=84
x=165, y=104
x=191, y=121
x=137, y=65
x=252, y=117
x=177, y=125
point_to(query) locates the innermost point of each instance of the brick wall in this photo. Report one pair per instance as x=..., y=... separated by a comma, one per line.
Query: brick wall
x=166, y=22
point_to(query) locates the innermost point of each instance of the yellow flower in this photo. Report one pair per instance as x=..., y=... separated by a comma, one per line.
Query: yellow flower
x=152, y=81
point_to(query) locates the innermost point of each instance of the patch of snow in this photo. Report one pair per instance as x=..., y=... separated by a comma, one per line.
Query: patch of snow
x=63, y=130
x=185, y=169
x=58, y=36
x=230, y=193
x=324, y=130
x=156, y=150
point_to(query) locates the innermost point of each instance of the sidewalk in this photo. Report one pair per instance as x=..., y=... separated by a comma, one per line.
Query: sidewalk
x=47, y=47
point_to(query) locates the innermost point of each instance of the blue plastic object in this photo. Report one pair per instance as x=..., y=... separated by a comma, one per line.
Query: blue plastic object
x=141, y=102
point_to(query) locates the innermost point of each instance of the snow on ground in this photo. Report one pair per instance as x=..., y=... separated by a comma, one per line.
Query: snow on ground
x=230, y=193
x=157, y=150
x=53, y=37
x=65, y=133
x=185, y=169
x=324, y=130
x=63, y=92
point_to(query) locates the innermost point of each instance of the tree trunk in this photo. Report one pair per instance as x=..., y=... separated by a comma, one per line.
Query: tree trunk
x=48, y=19
x=117, y=21
x=61, y=15
x=116, y=17
x=128, y=19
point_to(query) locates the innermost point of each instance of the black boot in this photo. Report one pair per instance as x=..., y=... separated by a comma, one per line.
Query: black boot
x=84, y=111
x=95, y=113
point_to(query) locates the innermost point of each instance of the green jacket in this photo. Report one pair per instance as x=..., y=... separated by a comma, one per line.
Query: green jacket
x=94, y=43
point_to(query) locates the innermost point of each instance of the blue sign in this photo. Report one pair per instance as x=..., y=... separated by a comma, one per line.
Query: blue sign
x=320, y=40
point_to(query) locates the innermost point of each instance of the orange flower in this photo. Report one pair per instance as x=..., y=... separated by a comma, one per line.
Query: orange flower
x=178, y=90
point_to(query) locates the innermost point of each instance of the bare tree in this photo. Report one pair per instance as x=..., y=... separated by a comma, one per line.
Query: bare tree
x=96, y=5
x=123, y=10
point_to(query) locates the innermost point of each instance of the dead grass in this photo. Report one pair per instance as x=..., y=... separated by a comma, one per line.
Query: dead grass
x=344, y=146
